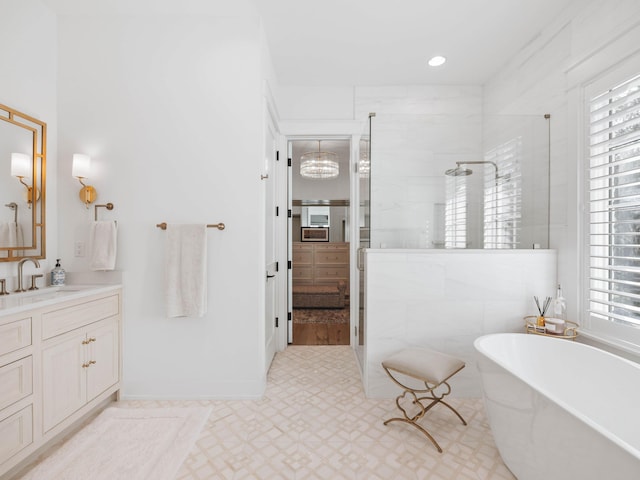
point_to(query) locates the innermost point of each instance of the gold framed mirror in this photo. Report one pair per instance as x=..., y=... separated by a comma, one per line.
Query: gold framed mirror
x=23, y=141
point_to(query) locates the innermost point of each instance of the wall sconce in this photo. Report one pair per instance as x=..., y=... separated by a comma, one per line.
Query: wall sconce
x=21, y=168
x=80, y=169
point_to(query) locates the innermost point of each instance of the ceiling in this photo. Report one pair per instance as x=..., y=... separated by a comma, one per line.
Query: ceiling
x=388, y=42
x=371, y=42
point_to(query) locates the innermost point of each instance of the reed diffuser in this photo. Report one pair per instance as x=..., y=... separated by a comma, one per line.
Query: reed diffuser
x=541, y=310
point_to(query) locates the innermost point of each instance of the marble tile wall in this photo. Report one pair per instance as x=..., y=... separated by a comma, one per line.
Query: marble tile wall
x=444, y=300
x=418, y=133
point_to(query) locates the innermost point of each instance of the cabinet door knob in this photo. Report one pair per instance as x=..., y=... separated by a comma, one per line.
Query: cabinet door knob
x=92, y=339
x=85, y=365
x=92, y=362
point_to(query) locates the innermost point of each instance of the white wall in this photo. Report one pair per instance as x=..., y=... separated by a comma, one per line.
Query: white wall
x=444, y=300
x=547, y=77
x=170, y=109
x=28, y=55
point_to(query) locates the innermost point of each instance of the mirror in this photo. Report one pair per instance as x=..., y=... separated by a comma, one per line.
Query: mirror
x=22, y=185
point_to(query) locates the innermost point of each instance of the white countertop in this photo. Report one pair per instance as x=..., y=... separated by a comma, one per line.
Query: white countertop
x=46, y=296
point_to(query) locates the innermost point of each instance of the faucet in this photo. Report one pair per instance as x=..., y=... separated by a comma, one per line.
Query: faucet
x=20, y=266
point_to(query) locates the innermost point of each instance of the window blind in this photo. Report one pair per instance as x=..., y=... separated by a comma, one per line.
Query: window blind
x=455, y=213
x=503, y=195
x=614, y=204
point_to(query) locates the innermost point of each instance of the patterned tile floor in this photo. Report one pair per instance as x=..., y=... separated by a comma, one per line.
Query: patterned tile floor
x=314, y=422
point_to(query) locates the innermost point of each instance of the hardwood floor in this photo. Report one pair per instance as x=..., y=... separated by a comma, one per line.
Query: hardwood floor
x=320, y=334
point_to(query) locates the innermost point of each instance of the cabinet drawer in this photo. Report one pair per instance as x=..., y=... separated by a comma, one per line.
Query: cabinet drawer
x=331, y=247
x=302, y=272
x=15, y=335
x=340, y=257
x=66, y=319
x=16, y=381
x=16, y=432
x=302, y=258
x=323, y=273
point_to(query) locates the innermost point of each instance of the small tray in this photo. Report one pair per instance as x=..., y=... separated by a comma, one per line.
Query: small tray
x=570, y=330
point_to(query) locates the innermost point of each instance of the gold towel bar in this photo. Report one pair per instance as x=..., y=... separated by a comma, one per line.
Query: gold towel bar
x=108, y=206
x=219, y=226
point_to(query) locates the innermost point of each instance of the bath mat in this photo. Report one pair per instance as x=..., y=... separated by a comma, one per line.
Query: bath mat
x=321, y=315
x=126, y=444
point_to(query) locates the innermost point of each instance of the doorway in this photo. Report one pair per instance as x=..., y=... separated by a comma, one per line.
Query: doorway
x=319, y=235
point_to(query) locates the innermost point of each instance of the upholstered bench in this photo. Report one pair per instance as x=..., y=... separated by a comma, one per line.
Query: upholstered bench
x=319, y=296
x=429, y=367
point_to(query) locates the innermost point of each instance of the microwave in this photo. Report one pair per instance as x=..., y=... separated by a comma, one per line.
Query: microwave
x=318, y=220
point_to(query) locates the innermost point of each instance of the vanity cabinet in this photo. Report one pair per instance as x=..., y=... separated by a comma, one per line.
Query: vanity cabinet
x=16, y=385
x=57, y=364
x=76, y=368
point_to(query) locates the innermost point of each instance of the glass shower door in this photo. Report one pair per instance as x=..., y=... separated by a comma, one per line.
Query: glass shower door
x=364, y=219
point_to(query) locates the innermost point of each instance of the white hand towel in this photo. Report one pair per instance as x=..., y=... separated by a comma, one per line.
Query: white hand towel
x=103, y=239
x=19, y=238
x=19, y=235
x=186, y=270
x=5, y=239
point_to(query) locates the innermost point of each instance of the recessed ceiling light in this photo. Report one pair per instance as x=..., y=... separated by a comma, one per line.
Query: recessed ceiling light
x=437, y=61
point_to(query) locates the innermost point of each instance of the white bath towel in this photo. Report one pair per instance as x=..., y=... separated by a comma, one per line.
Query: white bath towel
x=5, y=239
x=11, y=236
x=186, y=270
x=103, y=239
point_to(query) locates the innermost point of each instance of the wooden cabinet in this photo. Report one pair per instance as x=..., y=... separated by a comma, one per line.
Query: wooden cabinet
x=320, y=263
x=57, y=363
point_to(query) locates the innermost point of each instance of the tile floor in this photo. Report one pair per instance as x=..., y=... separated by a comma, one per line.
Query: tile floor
x=314, y=422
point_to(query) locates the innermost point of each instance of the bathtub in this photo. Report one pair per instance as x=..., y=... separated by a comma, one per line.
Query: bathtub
x=560, y=409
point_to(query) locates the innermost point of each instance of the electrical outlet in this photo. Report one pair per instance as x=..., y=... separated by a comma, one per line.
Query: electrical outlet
x=78, y=250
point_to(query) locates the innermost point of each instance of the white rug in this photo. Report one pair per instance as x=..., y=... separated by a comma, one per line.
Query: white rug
x=126, y=444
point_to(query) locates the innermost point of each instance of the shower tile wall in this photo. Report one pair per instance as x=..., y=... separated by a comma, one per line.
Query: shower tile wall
x=417, y=134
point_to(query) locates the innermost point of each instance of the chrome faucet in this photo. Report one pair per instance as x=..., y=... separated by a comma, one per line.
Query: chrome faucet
x=20, y=266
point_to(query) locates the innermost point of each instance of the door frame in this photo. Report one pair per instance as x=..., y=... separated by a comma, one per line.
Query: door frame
x=324, y=130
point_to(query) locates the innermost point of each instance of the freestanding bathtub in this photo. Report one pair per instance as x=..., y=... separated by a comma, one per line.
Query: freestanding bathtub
x=560, y=409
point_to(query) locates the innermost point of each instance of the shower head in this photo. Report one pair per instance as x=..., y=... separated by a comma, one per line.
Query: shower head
x=458, y=172
x=463, y=172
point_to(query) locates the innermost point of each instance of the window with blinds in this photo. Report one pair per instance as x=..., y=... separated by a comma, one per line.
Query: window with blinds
x=614, y=204
x=455, y=213
x=503, y=195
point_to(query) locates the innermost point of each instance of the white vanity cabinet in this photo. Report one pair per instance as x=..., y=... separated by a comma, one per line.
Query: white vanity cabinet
x=76, y=368
x=16, y=385
x=80, y=356
x=58, y=362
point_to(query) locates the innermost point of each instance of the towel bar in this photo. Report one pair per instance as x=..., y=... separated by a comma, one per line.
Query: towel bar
x=219, y=226
x=108, y=206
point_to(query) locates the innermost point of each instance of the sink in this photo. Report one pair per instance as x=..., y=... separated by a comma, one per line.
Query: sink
x=15, y=302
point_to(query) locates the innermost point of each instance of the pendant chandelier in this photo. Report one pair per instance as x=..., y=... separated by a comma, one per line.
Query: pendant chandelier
x=319, y=164
x=364, y=165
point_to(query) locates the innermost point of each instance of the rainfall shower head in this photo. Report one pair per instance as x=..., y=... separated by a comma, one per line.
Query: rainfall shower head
x=463, y=172
x=458, y=172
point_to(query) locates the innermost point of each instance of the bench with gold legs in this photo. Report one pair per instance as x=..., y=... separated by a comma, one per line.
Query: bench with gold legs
x=430, y=368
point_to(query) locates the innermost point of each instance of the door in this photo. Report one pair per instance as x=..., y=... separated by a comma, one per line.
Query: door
x=64, y=384
x=103, y=350
x=271, y=267
x=289, y=243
